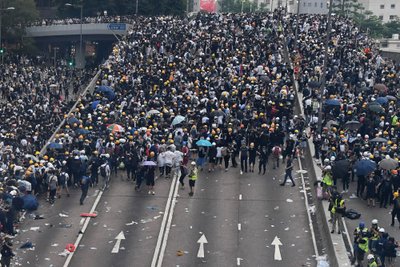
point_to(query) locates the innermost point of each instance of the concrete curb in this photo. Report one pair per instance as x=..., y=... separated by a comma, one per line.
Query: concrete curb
x=337, y=241
x=89, y=88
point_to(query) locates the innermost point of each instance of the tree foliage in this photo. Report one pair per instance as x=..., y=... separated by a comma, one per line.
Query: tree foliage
x=236, y=6
x=15, y=21
x=366, y=19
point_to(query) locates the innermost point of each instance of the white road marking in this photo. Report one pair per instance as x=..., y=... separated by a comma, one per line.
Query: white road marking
x=202, y=240
x=238, y=261
x=239, y=226
x=310, y=222
x=165, y=225
x=85, y=225
x=119, y=238
x=240, y=197
x=277, y=254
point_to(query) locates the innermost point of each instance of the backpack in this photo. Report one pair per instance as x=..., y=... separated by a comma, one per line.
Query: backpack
x=103, y=171
x=276, y=151
x=352, y=214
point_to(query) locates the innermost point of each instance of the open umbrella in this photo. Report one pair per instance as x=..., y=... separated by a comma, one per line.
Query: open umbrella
x=178, y=119
x=363, y=89
x=203, y=142
x=107, y=91
x=365, y=166
x=378, y=140
x=217, y=113
x=352, y=125
x=149, y=163
x=331, y=123
x=376, y=108
x=340, y=168
x=82, y=131
x=152, y=112
x=55, y=146
x=72, y=120
x=332, y=102
x=388, y=164
x=381, y=87
x=382, y=100
x=313, y=84
x=115, y=128
x=94, y=104
x=391, y=98
x=31, y=157
x=30, y=202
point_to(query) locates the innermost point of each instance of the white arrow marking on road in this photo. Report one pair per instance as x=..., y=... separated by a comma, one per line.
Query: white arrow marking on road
x=119, y=237
x=277, y=254
x=202, y=240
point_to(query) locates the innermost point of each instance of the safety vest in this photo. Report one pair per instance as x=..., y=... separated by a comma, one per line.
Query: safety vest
x=373, y=264
x=394, y=120
x=327, y=179
x=337, y=205
x=193, y=174
x=364, y=247
x=375, y=235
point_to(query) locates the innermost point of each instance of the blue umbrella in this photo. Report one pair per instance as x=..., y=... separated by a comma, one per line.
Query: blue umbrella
x=365, y=166
x=72, y=120
x=30, y=202
x=107, y=91
x=94, y=104
x=104, y=89
x=178, y=119
x=82, y=131
x=55, y=146
x=203, y=142
x=332, y=102
x=382, y=100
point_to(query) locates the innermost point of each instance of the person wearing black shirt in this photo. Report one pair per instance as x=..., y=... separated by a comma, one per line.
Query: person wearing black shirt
x=288, y=171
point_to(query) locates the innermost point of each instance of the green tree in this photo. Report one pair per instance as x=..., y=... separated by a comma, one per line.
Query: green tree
x=15, y=21
x=391, y=27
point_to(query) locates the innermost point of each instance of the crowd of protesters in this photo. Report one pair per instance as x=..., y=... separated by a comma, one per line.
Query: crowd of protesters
x=358, y=141
x=103, y=18
x=217, y=89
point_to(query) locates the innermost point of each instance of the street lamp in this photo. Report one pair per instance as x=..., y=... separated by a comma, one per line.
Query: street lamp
x=80, y=35
x=323, y=74
x=1, y=43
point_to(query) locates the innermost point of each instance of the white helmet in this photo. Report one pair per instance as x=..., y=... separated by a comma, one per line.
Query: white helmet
x=374, y=221
x=365, y=154
x=326, y=160
x=193, y=163
x=333, y=158
x=370, y=257
x=381, y=230
x=328, y=168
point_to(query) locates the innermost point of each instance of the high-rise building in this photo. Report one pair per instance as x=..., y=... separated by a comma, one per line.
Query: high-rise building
x=386, y=10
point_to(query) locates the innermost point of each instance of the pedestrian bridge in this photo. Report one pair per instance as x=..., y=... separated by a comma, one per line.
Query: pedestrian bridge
x=90, y=29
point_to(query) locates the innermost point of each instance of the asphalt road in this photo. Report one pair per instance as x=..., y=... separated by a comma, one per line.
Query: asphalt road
x=240, y=215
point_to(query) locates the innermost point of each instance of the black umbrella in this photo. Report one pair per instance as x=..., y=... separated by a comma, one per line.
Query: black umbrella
x=217, y=113
x=363, y=89
x=340, y=168
x=313, y=84
x=352, y=125
x=378, y=140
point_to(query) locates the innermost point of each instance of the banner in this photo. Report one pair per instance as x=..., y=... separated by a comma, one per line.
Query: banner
x=208, y=5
